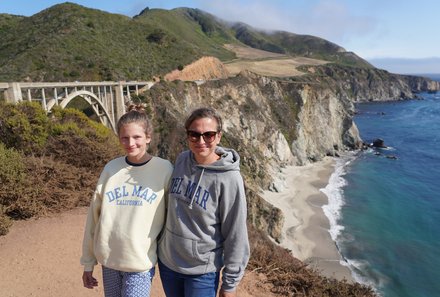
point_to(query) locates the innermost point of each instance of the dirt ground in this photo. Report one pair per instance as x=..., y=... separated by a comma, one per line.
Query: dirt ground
x=41, y=258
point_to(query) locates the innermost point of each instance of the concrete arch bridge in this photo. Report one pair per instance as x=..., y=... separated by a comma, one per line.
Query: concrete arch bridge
x=107, y=99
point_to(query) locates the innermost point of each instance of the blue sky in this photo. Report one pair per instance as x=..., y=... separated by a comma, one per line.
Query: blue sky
x=398, y=35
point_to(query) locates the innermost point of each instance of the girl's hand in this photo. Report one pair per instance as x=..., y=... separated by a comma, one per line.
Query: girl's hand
x=89, y=281
x=227, y=294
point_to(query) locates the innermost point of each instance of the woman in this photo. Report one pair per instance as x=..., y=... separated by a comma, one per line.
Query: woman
x=206, y=217
x=127, y=213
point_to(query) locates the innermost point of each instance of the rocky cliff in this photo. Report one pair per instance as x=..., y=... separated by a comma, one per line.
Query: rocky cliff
x=271, y=124
x=367, y=84
x=275, y=122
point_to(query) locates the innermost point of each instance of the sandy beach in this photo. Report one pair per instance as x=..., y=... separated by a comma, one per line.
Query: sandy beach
x=306, y=228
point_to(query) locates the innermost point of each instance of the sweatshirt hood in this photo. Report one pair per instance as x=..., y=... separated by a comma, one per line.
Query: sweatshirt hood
x=229, y=160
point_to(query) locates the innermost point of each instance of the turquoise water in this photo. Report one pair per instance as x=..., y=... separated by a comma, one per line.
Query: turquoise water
x=384, y=204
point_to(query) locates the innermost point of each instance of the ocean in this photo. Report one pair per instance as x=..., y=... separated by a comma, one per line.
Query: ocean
x=384, y=204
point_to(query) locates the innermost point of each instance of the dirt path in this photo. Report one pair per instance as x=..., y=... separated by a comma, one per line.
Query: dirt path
x=41, y=258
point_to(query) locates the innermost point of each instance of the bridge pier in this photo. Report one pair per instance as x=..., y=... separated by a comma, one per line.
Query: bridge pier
x=13, y=93
x=119, y=102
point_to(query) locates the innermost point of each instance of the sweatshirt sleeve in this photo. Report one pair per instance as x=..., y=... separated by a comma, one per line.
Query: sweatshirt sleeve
x=88, y=258
x=233, y=214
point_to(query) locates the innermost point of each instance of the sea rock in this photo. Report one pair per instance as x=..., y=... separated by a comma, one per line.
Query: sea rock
x=379, y=143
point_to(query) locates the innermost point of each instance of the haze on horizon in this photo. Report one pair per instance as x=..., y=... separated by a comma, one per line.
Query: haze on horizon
x=395, y=35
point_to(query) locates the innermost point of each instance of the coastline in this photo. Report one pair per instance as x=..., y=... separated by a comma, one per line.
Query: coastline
x=306, y=227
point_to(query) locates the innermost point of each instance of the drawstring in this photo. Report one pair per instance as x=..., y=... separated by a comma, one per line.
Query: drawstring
x=195, y=190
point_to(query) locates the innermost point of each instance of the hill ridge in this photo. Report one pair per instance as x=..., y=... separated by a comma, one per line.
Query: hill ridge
x=68, y=42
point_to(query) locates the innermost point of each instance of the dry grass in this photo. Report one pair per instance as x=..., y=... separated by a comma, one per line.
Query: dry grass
x=60, y=172
x=291, y=277
x=267, y=63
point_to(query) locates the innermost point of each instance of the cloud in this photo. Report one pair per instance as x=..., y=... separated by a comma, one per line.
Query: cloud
x=260, y=14
x=337, y=22
x=329, y=19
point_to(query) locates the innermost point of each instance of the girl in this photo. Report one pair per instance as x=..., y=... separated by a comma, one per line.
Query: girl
x=127, y=213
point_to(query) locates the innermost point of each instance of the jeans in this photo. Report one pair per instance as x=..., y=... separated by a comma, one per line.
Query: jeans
x=126, y=284
x=176, y=284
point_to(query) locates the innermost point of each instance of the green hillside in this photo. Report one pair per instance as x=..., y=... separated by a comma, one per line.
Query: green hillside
x=197, y=29
x=69, y=42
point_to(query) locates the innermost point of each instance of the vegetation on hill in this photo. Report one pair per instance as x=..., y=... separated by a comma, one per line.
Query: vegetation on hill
x=48, y=163
x=69, y=42
x=197, y=29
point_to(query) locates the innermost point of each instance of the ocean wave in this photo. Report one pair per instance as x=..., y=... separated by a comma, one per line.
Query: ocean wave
x=335, y=195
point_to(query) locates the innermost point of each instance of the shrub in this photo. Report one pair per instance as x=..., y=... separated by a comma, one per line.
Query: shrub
x=11, y=166
x=23, y=126
x=79, y=141
x=291, y=277
x=49, y=164
x=5, y=222
x=157, y=36
x=16, y=203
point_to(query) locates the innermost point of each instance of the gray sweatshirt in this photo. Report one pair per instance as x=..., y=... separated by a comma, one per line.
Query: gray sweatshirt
x=206, y=221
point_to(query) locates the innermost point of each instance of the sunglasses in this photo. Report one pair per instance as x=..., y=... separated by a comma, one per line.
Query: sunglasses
x=208, y=136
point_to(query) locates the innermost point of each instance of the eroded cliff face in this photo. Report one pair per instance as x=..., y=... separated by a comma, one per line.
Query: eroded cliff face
x=367, y=84
x=325, y=126
x=274, y=122
x=270, y=123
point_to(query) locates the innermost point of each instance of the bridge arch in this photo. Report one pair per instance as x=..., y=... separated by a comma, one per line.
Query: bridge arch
x=93, y=100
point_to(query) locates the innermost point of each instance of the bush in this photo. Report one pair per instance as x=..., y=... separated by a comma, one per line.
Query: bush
x=79, y=141
x=291, y=277
x=5, y=222
x=23, y=126
x=11, y=166
x=157, y=36
x=49, y=164
x=16, y=188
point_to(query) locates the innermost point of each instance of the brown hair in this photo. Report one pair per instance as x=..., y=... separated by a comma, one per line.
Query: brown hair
x=204, y=112
x=136, y=114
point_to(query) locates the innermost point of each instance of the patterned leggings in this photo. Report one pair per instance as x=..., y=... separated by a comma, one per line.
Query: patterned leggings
x=127, y=284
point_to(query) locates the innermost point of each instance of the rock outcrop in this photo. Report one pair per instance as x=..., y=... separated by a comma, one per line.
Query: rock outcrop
x=367, y=84
x=270, y=123
x=274, y=122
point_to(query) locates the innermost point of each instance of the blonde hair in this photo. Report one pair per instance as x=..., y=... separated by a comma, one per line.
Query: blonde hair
x=136, y=114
